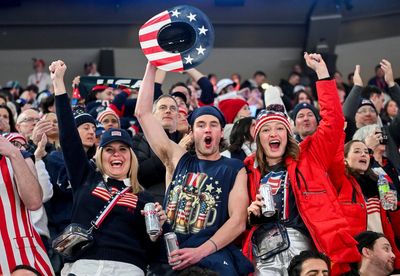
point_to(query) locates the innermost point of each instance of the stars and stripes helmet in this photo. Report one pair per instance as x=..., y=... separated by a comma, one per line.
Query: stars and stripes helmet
x=177, y=39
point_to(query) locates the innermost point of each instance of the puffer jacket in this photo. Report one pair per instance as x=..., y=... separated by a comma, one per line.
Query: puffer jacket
x=315, y=195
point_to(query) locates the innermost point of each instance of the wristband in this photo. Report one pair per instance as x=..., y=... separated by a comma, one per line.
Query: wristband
x=215, y=245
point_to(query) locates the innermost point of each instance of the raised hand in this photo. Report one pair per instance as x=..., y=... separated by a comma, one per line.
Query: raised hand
x=57, y=70
x=6, y=148
x=40, y=151
x=387, y=68
x=41, y=128
x=357, y=77
x=315, y=62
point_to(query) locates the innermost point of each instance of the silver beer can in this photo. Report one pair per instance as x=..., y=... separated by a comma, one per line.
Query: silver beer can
x=268, y=208
x=171, y=242
x=151, y=219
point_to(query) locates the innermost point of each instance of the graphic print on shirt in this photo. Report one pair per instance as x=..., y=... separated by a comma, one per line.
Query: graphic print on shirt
x=128, y=199
x=280, y=191
x=192, y=201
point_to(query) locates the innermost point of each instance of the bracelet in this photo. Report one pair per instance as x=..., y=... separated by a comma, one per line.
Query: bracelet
x=215, y=245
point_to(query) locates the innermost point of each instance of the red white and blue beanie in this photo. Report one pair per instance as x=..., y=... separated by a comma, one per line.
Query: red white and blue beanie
x=272, y=115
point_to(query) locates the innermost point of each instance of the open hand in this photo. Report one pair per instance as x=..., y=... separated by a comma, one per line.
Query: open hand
x=387, y=68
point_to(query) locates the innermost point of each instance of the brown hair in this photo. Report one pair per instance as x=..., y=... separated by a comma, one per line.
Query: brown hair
x=350, y=171
x=132, y=173
x=292, y=150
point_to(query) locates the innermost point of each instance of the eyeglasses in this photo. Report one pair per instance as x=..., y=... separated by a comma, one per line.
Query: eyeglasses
x=29, y=120
x=366, y=110
x=18, y=144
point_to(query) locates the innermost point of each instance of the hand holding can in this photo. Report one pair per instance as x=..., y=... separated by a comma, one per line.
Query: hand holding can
x=268, y=208
x=151, y=219
x=171, y=242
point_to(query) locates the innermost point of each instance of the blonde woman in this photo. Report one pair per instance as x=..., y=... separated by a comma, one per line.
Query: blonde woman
x=121, y=245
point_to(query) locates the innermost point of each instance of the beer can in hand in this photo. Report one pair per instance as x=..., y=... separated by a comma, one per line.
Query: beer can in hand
x=151, y=219
x=268, y=208
x=171, y=242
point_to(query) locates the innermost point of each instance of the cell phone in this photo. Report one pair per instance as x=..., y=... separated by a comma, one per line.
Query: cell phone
x=384, y=139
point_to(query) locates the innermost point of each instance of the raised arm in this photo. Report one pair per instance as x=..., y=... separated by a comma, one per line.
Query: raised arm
x=28, y=187
x=324, y=142
x=207, y=90
x=74, y=154
x=232, y=228
x=351, y=103
x=168, y=151
x=394, y=89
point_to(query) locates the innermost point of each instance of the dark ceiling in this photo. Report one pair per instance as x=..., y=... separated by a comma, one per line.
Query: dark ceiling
x=44, y=24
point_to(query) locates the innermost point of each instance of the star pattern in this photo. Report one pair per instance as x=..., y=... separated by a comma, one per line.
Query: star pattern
x=192, y=17
x=219, y=190
x=188, y=59
x=177, y=60
x=202, y=30
x=175, y=13
x=209, y=188
x=200, y=50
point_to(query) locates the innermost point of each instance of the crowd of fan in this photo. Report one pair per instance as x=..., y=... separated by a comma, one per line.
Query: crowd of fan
x=348, y=156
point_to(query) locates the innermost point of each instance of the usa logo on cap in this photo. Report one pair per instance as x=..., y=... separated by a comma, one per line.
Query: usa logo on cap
x=177, y=39
x=116, y=133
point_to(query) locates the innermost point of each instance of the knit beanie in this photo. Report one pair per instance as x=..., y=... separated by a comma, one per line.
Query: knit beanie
x=81, y=117
x=230, y=108
x=206, y=110
x=106, y=112
x=364, y=101
x=301, y=106
x=266, y=116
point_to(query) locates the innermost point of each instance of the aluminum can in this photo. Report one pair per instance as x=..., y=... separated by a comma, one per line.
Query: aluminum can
x=268, y=208
x=151, y=219
x=171, y=242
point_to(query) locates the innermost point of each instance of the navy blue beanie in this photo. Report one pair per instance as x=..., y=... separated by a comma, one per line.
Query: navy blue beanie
x=301, y=106
x=81, y=117
x=207, y=110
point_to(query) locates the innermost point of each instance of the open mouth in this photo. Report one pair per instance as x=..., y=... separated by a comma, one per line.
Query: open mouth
x=116, y=164
x=363, y=161
x=274, y=144
x=208, y=141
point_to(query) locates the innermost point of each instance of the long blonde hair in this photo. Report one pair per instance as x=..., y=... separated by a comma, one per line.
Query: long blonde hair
x=292, y=150
x=132, y=173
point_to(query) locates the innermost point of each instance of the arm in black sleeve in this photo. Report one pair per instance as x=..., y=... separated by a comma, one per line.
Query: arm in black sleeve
x=157, y=90
x=394, y=129
x=394, y=93
x=207, y=91
x=75, y=157
x=350, y=105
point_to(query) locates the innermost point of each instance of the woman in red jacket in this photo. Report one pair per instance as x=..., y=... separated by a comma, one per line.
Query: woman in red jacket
x=363, y=183
x=307, y=213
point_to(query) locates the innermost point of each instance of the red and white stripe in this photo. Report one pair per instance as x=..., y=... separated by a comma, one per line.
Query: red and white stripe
x=128, y=199
x=272, y=118
x=110, y=206
x=373, y=205
x=19, y=242
x=148, y=42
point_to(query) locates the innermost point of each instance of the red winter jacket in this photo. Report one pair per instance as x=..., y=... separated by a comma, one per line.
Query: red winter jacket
x=315, y=196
